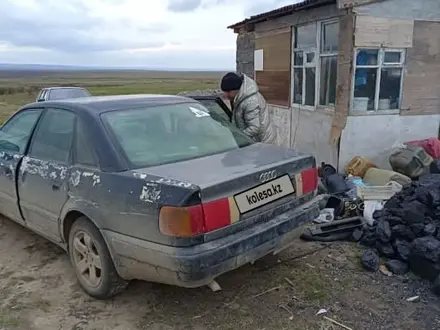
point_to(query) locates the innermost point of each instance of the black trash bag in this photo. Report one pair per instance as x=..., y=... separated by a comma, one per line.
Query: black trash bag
x=333, y=181
x=436, y=286
x=357, y=235
x=385, y=249
x=326, y=170
x=435, y=167
x=397, y=267
x=427, y=248
x=403, y=249
x=383, y=231
x=336, y=184
x=370, y=260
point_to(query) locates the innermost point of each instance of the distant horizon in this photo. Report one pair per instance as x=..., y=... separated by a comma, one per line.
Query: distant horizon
x=39, y=66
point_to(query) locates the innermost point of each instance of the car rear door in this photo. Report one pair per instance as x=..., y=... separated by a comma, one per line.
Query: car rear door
x=42, y=180
x=14, y=139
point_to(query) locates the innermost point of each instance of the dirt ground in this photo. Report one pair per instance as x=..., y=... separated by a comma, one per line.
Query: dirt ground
x=38, y=290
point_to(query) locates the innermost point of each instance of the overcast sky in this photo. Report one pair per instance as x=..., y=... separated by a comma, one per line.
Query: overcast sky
x=150, y=33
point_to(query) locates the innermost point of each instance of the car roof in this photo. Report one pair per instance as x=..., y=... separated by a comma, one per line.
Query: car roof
x=202, y=97
x=99, y=104
x=63, y=87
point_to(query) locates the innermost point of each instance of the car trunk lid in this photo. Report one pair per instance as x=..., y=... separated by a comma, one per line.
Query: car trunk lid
x=245, y=186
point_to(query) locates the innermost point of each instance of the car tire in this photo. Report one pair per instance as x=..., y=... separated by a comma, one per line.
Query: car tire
x=91, y=259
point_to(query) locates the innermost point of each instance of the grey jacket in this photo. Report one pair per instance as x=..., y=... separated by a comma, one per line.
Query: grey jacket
x=251, y=114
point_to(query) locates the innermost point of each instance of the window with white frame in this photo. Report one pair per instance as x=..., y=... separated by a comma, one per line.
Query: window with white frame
x=315, y=62
x=329, y=63
x=304, y=65
x=377, y=81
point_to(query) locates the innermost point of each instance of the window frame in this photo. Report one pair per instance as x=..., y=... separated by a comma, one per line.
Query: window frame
x=37, y=127
x=74, y=157
x=379, y=66
x=317, y=65
x=42, y=95
x=303, y=66
x=323, y=55
x=120, y=152
x=29, y=141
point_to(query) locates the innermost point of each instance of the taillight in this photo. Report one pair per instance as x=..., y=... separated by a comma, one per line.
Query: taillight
x=309, y=180
x=199, y=219
x=181, y=221
x=220, y=213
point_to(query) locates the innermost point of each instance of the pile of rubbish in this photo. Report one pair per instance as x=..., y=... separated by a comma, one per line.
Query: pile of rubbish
x=395, y=213
x=407, y=231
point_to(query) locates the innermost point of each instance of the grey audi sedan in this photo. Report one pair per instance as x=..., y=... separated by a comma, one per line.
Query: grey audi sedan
x=150, y=187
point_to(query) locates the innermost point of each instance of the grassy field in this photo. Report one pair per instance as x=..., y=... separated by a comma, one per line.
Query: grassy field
x=20, y=88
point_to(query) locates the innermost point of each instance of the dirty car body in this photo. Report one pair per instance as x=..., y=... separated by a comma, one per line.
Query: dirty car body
x=156, y=188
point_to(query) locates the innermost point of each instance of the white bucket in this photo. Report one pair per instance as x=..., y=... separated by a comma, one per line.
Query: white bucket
x=360, y=103
x=384, y=104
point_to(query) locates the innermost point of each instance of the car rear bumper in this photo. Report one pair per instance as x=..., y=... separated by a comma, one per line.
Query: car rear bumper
x=200, y=265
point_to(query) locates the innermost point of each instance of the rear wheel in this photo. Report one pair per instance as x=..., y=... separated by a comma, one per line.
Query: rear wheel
x=91, y=259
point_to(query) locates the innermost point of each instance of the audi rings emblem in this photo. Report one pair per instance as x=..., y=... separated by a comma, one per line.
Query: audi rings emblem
x=267, y=176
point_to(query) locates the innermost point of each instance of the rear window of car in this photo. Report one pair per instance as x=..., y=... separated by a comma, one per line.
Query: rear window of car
x=171, y=133
x=213, y=106
x=67, y=93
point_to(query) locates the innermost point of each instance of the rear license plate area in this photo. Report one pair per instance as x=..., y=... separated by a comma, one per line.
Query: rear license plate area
x=264, y=194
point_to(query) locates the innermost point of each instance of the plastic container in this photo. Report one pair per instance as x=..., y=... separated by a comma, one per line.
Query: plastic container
x=380, y=177
x=413, y=161
x=352, y=181
x=384, y=104
x=378, y=193
x=360, y=103
x=358, y=166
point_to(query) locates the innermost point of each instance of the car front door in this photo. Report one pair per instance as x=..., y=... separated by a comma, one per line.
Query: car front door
x=14, y=139
x=42, y=179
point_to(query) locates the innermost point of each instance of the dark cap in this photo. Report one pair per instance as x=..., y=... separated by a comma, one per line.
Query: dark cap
x=231, y=82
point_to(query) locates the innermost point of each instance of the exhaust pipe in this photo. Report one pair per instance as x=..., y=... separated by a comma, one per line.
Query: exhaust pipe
x=214, y=286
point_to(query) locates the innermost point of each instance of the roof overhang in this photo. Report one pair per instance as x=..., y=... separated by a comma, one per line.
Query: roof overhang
x=248, y=23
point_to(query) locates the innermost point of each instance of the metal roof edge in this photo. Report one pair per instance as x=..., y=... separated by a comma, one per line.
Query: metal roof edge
x=283, y=11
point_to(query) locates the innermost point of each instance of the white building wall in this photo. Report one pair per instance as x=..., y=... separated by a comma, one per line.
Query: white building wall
x=374, y=136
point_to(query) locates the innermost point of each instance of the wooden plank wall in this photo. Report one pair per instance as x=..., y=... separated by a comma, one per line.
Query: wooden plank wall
x=274, y=79
x=421, y=84
x=377, y=31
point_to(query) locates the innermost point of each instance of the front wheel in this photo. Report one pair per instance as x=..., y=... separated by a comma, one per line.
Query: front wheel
x=91, y=259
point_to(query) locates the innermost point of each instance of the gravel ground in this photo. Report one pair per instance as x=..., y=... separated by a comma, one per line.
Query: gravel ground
x=38, y=290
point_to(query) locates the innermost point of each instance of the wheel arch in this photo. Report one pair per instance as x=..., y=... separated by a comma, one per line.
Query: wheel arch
x=116, y=282
x=69, y=219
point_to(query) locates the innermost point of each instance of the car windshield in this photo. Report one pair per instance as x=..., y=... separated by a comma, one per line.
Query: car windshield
x=67, y=93
x=172, y=133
